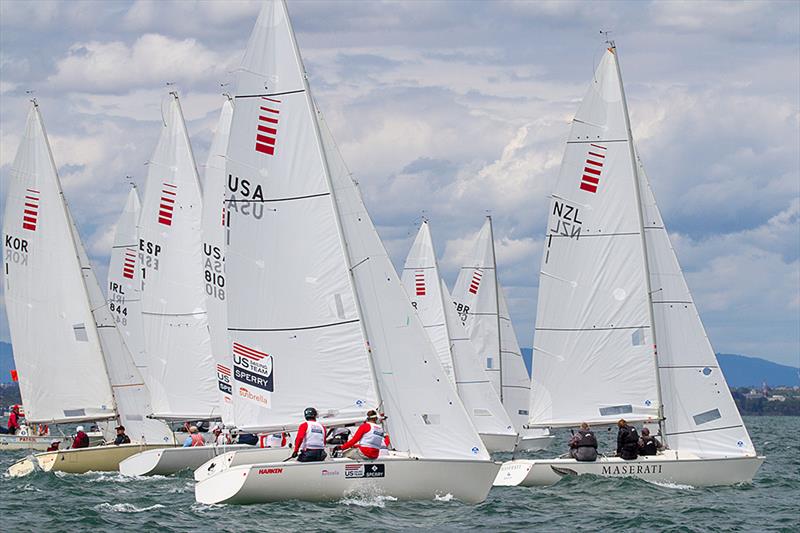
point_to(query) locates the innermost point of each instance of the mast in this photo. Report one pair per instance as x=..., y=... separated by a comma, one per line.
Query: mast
x=339, y=229
x=661, y=430
x=497, y=306
x=73, y=235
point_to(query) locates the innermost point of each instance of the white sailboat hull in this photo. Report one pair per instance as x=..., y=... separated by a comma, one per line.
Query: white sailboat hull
x=233, y=458
x=79, y=461
x=498, y=442
x=167, y=461
x=403, y=478
x=532, y=443
x=671, y=467
x=26, y=442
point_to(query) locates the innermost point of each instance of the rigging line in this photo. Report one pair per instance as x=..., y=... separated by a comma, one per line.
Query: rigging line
x=688, y=366
x=478, y=382
x=474, y=267
x=593, y=329
x=706, y=430
x=673, y=302
x=516, y=387
x=319, y=326
x=174, y=314
x=419, y=268
x=270, y=94
x=243, y=201
x=583, y=235
x=599, y=140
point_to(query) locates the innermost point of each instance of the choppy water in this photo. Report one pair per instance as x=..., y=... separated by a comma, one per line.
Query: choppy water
x=109, y=501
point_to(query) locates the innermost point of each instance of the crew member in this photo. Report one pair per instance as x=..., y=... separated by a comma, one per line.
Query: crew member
x=649, y=445
x=583, y=444
x=122, y=438
x=274, y=440
x=81, y=439
x=309, y=445
x=194, y=438
x=627, y=441
x=222, y=437
x=367, y=441
x=13, y=420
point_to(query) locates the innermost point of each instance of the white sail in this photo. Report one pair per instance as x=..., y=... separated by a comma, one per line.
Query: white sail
x=125, y=281
x=56, y=346
x=131, y=395
x=293, y=323
x=214, y=220
x=593, y=348
x=176, y=335
x=460, y=360
x=700, y=414
x=480, y=302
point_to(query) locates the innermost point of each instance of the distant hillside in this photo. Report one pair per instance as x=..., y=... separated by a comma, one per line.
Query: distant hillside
x=739, y=370
x=6, y=362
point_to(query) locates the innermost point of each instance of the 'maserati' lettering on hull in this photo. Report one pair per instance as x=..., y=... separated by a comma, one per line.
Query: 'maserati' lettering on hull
x=630, y=470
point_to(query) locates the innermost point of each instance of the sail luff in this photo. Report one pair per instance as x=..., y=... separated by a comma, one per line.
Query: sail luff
x=646, y=263
x=496, y=304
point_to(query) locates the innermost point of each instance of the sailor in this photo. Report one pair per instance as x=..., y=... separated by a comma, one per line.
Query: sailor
x=122, y=438
x=13, y=420
x=309, y=445
x=81, y=439
x=247, y=438
x=366, y=443
x=274, y=440
x=649, y=445
x=194, y=438
x=222, y=436
x=53, y=446
x=627, y=441
x=583, y=444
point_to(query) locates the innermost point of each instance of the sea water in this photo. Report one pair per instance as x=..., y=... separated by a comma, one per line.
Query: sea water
x=111, y=502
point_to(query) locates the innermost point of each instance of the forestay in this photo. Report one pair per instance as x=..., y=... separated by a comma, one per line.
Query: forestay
x=700, y=414
x=173, y=298
x=460, y=360
x=56, y=346
x=214, y=220
x=480, y=302
x=594, y=356
x=125, y=281
x=294, y=327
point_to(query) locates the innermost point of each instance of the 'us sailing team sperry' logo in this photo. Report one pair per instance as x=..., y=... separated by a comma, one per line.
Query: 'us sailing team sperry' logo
x=593, y=168
x=224, y=379
x=252, y=367
x=363, y=470
x=267, y=132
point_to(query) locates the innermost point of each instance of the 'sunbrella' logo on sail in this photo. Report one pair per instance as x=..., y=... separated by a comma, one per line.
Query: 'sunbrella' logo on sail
x=475, y=282
x=129, y=263
x=419, y=282
x=252, y=367
x=267, y=126
x=30, y=213
x=593, y=168
x=167, y=204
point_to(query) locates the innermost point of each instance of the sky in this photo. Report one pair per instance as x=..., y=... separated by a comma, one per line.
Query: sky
x=454, y=110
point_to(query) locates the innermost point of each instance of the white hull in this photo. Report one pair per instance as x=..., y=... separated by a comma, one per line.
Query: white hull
x=167, y=461
x=26, y=442
x=399, y=477
x=248, y=456
x=498, y=443
x=670, y=467
x=80, y=461
x=532, y=443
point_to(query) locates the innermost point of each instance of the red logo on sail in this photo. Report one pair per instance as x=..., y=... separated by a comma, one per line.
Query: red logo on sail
x=167, y=205
x=246, y=351
x=419, y=281
x=30, y=213
x=224, y=370
x=129, y=263
x=267, y=126
x=593, y=167
x=476, y=281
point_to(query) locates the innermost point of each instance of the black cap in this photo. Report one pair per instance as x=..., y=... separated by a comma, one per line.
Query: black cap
x=310, y=412
x=120, y=427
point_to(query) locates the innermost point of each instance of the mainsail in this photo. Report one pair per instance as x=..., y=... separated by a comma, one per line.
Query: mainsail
x=699, y=411
x=56, y=346
x=214, y=220
x=460, y=360
x=293, y=323
x=125, y=281
x=176, y=335
x=594, y=357
x=480, y=302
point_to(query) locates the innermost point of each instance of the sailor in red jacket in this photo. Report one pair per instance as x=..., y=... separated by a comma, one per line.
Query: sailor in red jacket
x=367, y=442
x=309, y=445
x=13, y=420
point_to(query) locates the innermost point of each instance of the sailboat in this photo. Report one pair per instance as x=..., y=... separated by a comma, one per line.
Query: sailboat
x=173, y=460
x=460, y=360
x=617, y=322
x=480, y=302
x=51, y=287
x=338, y=273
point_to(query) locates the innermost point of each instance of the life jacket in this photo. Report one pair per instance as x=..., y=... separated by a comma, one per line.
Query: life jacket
x=631, y=438
x=13, y=422
x=586, y=439
x=273, y=440
x=649, y=446
x=81, y=440
x=372, y=438
x=197, y=439
x=314, y=439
